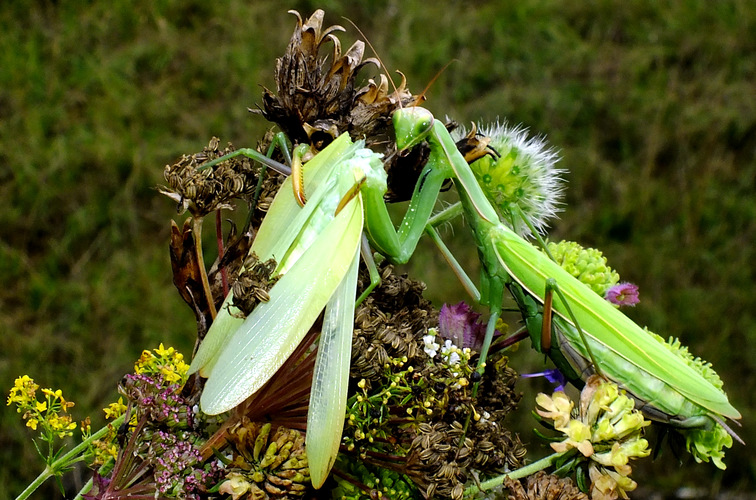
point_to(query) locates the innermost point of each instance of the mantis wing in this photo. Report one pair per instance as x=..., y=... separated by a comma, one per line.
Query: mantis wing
x=605, y=324
x=279, y=230
x=270, y=334
x=275, y=235
x=325, y=418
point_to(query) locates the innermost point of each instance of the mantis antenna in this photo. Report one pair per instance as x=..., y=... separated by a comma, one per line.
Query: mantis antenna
x=421, y=97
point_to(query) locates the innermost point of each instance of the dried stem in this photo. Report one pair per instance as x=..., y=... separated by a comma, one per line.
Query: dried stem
x=197, y=231
x=219, y=238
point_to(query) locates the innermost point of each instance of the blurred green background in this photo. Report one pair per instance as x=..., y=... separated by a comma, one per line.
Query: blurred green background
x=651, y=103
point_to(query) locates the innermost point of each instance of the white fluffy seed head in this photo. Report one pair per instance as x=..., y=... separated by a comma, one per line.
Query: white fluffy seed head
x=524, y=174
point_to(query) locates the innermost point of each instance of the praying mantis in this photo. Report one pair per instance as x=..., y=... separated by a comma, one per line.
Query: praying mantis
x=592, y=335
x=239, y=355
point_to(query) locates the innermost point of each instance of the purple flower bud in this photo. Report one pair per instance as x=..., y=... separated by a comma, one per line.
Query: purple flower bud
x=623, y=294
x=459, y=323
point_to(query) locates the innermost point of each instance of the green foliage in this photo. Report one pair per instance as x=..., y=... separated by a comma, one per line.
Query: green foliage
x=651, y=104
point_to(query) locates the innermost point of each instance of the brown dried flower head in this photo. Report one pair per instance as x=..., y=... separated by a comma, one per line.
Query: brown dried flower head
x=266, y=465
x=203, y=190
x=314, y=94
x=542, y=486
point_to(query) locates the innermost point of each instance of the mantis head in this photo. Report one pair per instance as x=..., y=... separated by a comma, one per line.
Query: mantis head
x=412, y=125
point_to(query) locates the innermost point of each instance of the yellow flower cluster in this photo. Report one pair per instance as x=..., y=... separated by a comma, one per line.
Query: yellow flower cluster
x=607, y=432
x=50, y=414
x=167, y=363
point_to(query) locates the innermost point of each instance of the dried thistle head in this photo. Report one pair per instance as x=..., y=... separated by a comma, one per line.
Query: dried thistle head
x=319, y=98
x=314, y=94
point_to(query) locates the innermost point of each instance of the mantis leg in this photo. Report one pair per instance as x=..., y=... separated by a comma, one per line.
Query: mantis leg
x=257, y=156
x=430, y=229
x=375, y=277
x=399, y=245
x=552, y=286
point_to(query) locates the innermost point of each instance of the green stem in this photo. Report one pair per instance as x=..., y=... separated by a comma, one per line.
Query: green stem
x=84, y=489
x=66, y=460
x=516, y=474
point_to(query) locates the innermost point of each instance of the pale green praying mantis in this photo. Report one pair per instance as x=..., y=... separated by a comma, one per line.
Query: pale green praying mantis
x=316, y=245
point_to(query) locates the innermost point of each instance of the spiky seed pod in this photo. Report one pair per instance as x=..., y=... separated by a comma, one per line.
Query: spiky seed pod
x=542, y=486
x=266, y=465
x=519, y=171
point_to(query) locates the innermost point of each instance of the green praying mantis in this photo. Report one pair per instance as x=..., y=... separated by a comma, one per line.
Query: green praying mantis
x=317, y=247
x=591, y=334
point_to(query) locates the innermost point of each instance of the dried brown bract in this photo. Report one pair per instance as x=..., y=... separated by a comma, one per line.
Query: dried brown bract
x=474, y=146
x=186, y=273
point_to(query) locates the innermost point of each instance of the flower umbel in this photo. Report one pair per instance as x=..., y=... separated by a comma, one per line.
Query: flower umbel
x=606, y=433
x=50, y=415
x=168, y=363
x=586, y=264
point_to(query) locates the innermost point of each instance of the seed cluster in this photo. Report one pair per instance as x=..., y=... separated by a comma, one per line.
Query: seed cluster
x=253, y=283
x=542, y=486
x=390, y=324
x=203, y=190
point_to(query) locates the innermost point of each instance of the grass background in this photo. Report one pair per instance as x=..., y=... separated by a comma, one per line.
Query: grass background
x=650, y=102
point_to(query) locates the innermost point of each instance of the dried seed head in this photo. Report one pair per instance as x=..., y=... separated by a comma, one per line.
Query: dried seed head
x=390, y=324
x=203, y=190
x=266, y=464
x=253, y=284
x=542, y=486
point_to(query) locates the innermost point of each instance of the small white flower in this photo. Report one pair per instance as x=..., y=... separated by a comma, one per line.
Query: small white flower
x=454, y=359
x=431, y=346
